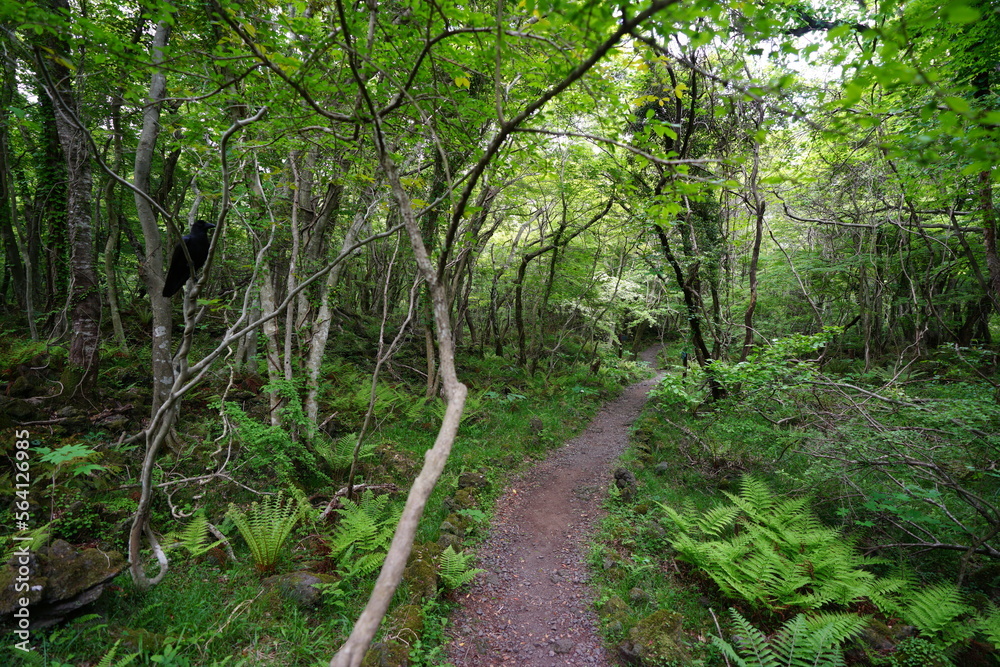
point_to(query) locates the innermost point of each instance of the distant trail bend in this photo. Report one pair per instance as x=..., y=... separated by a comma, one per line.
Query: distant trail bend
x=533, y=605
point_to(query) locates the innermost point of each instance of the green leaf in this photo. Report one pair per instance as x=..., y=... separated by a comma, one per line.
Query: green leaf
x=958, y=104
x=962, y=13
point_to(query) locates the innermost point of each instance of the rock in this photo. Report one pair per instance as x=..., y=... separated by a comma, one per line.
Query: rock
x=421, y=579
x=473, y=480
x=614, y=609
x=449, y=540
x=407, y=622
x=625, y=481
x=662, y=468
x=463, y=499
x=299, y=587
x=657, y=639
x=60, y=580
x=638, y=596
x=387, y=654
x=562, y=646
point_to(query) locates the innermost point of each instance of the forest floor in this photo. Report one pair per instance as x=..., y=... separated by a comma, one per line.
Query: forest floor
x=533, y=606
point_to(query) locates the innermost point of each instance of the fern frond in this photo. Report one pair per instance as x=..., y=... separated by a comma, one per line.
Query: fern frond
x=454, y=569
x=265, y=528
x=717, y=520
x=803, y=641
x=938, y=612
x=109, y=658
x=989, y=625
x=364, y=532
x=194, y=536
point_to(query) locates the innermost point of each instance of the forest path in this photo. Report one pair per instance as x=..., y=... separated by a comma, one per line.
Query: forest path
x=533, y=604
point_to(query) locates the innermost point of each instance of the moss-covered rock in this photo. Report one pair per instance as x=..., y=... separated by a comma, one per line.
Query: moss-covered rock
x=387, y=654
x=473, y=480
x=613, y=609
x=462, y=500
x=407, y=622
x=299, y=587
x=657, y=640
x=421, y=577
x=55, y=581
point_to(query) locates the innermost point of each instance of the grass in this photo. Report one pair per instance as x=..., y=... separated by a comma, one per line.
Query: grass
x=773, y=433
x=208, y=612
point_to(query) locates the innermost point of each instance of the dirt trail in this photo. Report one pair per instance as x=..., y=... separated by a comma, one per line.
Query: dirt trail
x=533, y=605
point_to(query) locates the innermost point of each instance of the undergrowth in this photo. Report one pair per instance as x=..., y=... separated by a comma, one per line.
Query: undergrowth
x=212, y=610
x=758, y=511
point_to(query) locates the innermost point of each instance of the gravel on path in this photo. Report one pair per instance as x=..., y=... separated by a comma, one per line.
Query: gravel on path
x=533, y=606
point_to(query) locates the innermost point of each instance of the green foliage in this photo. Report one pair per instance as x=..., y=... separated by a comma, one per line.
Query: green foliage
x=269, y=448
x=803, y=641
x=265, y=527
x=773, y=553
x=919, y=652
x=340, y=455
x=777, y=365
x=109, y=658
x=363, y=534
x=194, y=537
x=454, y=568
x=939, y=612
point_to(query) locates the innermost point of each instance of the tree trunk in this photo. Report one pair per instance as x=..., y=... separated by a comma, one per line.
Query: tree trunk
x=85, y=296
x=162, y=367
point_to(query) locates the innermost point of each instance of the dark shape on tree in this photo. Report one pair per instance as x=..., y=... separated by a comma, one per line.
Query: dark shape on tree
x=197, y=243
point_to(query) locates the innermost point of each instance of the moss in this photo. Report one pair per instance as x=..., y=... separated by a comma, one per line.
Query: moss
x=387, y=654
x=407, y=622
x=421, y=579
x=658, y=640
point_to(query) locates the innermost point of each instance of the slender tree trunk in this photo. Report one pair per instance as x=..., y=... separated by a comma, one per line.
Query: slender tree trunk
x=757, y=207
x=8, y=207
x=152, y=269
x=989, y=213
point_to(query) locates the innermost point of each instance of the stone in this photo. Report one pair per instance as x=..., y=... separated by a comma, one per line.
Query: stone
x=614, y=609
x=638, y=596
x=387, y=654
x=421, y=579
x=655, y=640
x=299, y=587
x=60, y=580
x=662, y=468
x=563, y=646
x=407, y=622
x=627, y=486
x=473, y=480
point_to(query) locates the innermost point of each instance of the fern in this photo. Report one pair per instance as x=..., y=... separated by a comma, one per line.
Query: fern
x=341, y=454
x=109, y=658
x=454, y=568
x=940, y=613
x=195, y=535
x=781, y=556
x=989, y=625
x=266, y=527
x=361, y=539
x=803, y=641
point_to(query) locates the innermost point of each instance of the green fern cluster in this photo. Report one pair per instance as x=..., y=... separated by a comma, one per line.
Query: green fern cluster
x=361, y=540
x=194, y=537
x=454, y=570
x=772, y=553
x=266, y=527
x=942, y=615
x=340, y=454
x=804, y=641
